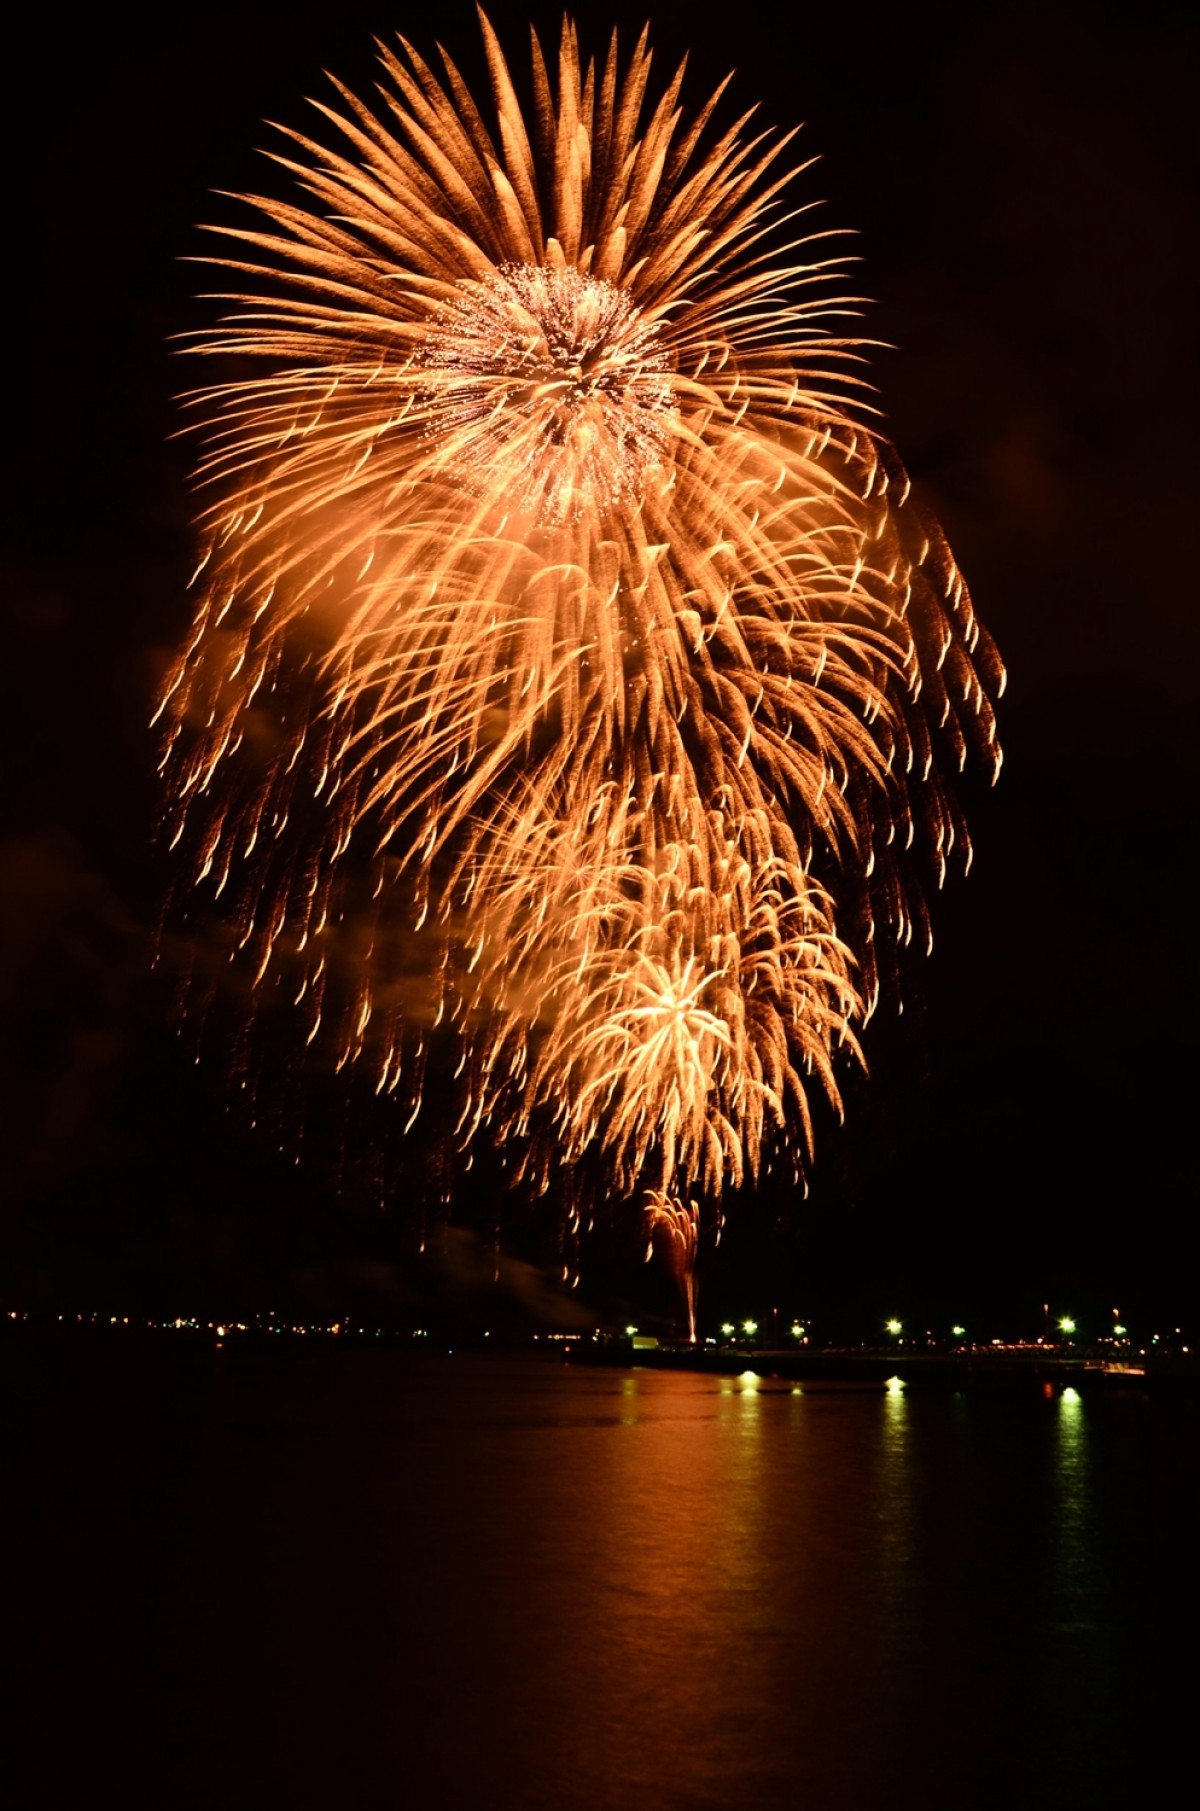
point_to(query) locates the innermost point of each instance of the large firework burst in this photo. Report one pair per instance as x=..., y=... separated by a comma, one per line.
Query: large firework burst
x=570, y=662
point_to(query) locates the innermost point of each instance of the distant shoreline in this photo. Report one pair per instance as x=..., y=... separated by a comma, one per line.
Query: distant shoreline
x=1020, y=1365
x=971, y=1367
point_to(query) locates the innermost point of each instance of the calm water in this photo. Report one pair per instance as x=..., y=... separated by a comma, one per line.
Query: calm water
x=355, y=1579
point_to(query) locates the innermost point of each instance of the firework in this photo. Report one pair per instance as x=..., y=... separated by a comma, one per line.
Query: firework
x=682, y=1227
x=571, y=669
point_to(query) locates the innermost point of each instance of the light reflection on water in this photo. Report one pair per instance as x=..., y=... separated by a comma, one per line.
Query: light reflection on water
x=510, y=1585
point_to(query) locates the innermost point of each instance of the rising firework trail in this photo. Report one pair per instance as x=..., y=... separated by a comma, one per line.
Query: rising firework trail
x=571, y=670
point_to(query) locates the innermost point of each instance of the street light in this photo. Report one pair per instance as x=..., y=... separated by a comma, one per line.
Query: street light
x=958, y=1332
x=728, y=1329
x=895, y=1327
x=1066, y=1324
x=749, y=1326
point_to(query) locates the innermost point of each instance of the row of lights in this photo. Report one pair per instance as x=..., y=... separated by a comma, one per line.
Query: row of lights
x=1067, y=1326
x=730, y=1329
x=749, y=1328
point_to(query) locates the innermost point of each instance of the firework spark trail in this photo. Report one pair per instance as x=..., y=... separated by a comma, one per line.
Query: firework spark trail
x=562, y=621
x=681, y=1224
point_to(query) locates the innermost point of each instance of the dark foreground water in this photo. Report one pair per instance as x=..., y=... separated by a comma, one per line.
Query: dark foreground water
x=352, y=1578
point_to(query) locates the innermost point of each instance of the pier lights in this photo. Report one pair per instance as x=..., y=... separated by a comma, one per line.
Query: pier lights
x=630, y=1331
x=1066, y=1325
x=958, y=1332
x=750, y=1327
x=895, y=1328
x=797, y=1330
x=728, y=1329
x=1119, y=1330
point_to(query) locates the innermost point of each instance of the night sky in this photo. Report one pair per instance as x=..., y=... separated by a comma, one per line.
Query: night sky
x=1021, y=183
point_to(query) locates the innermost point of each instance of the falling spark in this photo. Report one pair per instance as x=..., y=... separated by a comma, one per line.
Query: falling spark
x=568, y=650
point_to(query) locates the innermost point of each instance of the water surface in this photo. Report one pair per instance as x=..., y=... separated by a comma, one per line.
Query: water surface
x=286, y=1577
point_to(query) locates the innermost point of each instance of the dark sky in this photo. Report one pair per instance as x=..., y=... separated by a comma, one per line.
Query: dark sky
x=1022, y=184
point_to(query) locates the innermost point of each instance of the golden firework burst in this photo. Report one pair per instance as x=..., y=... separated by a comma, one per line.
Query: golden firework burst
x=570, y=660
